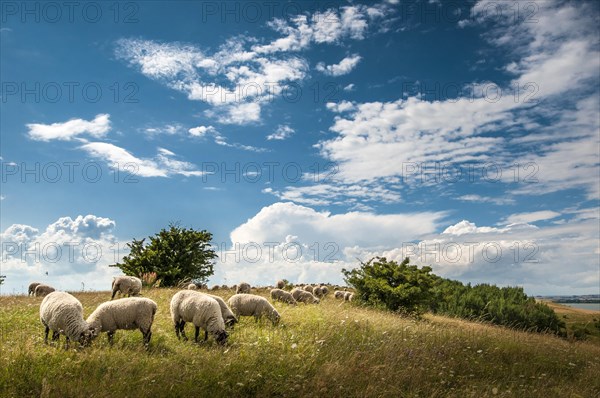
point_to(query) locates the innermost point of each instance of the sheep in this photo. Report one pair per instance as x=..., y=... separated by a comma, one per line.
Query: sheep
x=215, y=287
x=252, y=305
x=125, y=314
x=348, y=296
x=201, y=310
x=42, y=290
x=129, y=285
x=228, y=316
x=63, y=313
x=283, y=296
x=32, y=286
x=324, y=290
x=280, y=284
x=243, y=287
x=308, y=288
x=318, y=292
x=339, y=294
x=303, y=296
x=192, y=286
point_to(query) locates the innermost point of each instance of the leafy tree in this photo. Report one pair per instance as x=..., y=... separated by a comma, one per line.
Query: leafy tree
x=387, y=284
x=2, y=277
x=174, y=254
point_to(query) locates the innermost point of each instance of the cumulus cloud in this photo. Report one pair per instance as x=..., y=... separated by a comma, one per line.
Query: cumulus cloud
x=65, y=254
x=97, y=128
x=296, y=242
x=344, y=67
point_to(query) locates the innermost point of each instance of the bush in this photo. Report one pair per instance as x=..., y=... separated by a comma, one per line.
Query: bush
x=406, y=288
x=387, y=284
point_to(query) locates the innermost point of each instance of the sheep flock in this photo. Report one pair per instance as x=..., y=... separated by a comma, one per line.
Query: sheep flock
x=62, y=313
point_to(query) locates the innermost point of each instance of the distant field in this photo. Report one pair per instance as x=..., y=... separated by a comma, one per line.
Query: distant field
x=334, y=349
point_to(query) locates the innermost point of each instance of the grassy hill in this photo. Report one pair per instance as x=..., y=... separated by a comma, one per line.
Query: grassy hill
x=331, y=349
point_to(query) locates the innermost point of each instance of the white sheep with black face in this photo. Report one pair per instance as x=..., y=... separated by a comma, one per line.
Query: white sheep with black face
x=125, y=314
x=42, y=290
x=243, y=287
x=201, y=310
x=302, y=296
x=32, y=286
x=63, y=314
x=253, y=305
x=283, y=296
x=126, y=285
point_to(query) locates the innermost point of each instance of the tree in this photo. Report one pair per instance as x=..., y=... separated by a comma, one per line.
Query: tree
x=396, y=287
x=2, y=277
x=175, y=254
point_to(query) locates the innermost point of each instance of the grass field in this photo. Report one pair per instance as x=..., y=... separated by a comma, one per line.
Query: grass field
x=334, y=349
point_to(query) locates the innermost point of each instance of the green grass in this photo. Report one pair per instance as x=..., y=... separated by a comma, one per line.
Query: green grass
x=332, y=349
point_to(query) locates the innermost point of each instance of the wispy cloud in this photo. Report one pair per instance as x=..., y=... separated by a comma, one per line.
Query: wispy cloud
x=283, y=132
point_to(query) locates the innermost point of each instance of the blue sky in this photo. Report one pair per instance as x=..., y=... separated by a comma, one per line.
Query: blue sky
x=304, y=135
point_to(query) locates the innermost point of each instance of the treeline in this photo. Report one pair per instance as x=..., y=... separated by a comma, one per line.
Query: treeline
x=406, y=288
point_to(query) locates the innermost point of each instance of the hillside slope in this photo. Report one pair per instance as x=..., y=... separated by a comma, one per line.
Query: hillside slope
x=331, y=349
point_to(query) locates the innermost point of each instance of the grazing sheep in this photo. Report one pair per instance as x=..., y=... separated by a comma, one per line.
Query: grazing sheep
x=129, y=285
x=303, y=296
x=63, y=314
x=280, y=284
x=32, y=286
x=283, y=296
x=243, y=288
x=228, y=316
x=318, y=292
x=192, y=286
x=308, y=288
x=201, y=310
x=324, y=290
x=252, y=305
x=125, y=314
x=339, y=294
x=42, y=290
x=348, y=296
x=215, y=287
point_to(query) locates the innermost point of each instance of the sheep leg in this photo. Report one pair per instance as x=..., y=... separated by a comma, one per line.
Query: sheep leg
x=177, y=330
x=197, y=334
x=55, y=336
x=205, y=335
x=111, y=337
x=46, y=335
x=182, y=331
x=147, y=337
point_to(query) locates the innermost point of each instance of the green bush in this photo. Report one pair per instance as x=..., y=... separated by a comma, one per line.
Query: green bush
x=387, y=284
x=409, y=289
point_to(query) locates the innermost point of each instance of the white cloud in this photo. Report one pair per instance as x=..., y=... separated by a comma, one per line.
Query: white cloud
x=285, y=240
x=532, y=216
x=97, y=128
x=349, y=87
x=163, y=165
x=559, y=56
x=210, y=131
x=486, y=199
x=344, y=67
x=201, y=131
x=168, y=129
x=65, y=254
x=283, y=132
